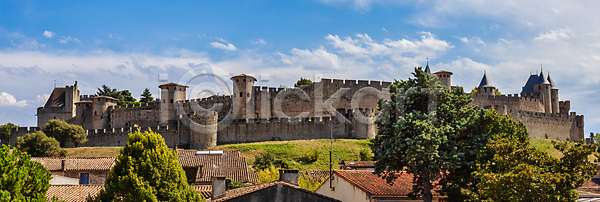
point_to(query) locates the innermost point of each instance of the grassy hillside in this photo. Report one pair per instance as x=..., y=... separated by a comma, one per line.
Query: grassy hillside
x=93, y=151
x=546, y=146
x=293, y=151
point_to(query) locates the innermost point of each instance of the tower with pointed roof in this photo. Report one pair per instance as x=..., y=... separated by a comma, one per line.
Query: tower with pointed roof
x=539, y=87
x=485, y=86
x=554, y=96
x=427, y=70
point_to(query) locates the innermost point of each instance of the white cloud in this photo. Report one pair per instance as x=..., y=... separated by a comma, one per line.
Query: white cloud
x=110, y=35
x=67, y=39
x=463, y=39
x=229, y=47
x=259, y=41
x=318, y=59
x=10, y=100
x=555, y=35
x=49, y=34
x=42, y=98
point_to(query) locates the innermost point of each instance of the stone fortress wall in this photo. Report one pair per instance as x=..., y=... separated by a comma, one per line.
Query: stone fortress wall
x=317, y=111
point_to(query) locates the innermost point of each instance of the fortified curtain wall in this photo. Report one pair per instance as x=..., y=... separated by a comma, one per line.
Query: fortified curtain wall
x=513, y=102
x=551, y=126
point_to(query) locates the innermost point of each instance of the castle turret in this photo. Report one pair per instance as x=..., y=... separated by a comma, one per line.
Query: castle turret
x=60, y=105
x=170, y=94
x=100, y=116
x=554, y=96
x=544, y=91
x=485, y=86
x=242, y=96
x=445, y=78
x=427, y=70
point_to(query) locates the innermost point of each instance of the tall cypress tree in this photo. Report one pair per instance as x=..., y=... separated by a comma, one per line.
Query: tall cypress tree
x=146, y=96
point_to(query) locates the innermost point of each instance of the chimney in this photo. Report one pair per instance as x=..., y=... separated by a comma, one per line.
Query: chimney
x=218, y=187
x=63, y=167
x=289, y=176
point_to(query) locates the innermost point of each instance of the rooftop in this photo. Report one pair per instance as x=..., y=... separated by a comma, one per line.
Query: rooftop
x=230, y=164
x=234, y=193
x=375, y=186
x=73, y=193
x=77, y=164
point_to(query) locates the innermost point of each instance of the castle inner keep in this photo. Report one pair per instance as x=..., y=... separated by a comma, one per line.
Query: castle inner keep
x=327, y=108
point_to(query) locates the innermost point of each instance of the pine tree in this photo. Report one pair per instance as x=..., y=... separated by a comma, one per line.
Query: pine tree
x=146, y=96
x=420, y=131
x=22, y=179
x=146, y=170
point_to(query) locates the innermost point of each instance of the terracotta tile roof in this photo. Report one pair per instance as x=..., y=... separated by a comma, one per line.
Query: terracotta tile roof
x=204, y=190
x=77, y=164
x=234, y=193
x=375, y=185
x=230, y=165
x=590, y=188
x=360, y=164
x=315, y=175
x=73, y=193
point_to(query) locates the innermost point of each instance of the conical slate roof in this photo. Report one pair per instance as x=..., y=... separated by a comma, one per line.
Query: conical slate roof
x=485, y=82
x=552, y=84
x=427, y=70
x=543, y=79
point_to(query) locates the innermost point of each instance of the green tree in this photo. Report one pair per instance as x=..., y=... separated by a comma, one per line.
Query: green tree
x=22, y=179
x=64, y=132
x=267, y=159
x=365, y=155
x=474, y=91
x=519, y=172
x=146, y=170
x=5, y=130
x=39, y=145
x=146, y=96
x=123, y=96
x=497, y=92
x=303, y=82
x=420, y=131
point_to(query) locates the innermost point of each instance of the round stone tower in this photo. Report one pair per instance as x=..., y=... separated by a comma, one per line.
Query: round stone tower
x=485, y=86
x=554, y=96
x=545, y=93
x=203, y=129
x=242, y=96
x=170, y=94
x=100, y=118
x=445, y=78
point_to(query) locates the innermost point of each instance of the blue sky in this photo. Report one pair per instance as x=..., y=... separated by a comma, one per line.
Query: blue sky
x=127, y=44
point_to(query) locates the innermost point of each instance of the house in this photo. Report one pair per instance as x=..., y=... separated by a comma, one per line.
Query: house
x=201, y=166
x=77, y=170
x=284, y=190
x=358, y=165
x=355, y=185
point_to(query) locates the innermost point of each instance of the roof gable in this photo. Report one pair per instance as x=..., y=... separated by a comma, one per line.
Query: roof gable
x=374, y=185
x=57, y=98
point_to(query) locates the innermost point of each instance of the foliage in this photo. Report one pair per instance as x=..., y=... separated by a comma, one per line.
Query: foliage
x=595, y=137
x=146, y=170
x=39, y=145
x=365, y=155
x=474, y=91
x=5, y=130
x=65, y=132
x=267, y=159
x=519, y=172
x=146, y=96
x=497, y=92
x=22, y=179
x=123, y=96
x=230, y=184
x=311, y=156
x=268, y=174
x=307, y=183
x=303, y=82
x=420, y=131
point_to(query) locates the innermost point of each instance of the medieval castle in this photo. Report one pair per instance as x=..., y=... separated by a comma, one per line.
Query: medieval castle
x=328, y=108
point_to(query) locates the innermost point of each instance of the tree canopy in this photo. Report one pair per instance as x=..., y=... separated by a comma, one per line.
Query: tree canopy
x=22, y=179
x=37, y=144
x=146, y=96
x=123, y=96
x=64, y=132
x=5, y=130
x=303, y=82
x=146, y=170
x=419, y=131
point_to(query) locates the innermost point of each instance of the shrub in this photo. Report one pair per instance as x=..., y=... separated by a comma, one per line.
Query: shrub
x=39, y=145
x=365, y=155
x=267, y=159
x=311, y=156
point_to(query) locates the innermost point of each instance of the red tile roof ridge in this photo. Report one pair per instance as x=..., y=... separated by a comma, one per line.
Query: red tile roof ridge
x=375, y=178
x=234, y=193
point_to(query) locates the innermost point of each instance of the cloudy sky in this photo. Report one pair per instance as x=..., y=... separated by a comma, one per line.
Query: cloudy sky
x=127, y=45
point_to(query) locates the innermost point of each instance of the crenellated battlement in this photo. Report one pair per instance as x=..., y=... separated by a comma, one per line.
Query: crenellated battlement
x=505, y=98
x=142, y=106
x=86, y=97
x=128, y=130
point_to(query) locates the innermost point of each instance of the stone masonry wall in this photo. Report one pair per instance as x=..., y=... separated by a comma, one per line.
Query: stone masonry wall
x=550, y=126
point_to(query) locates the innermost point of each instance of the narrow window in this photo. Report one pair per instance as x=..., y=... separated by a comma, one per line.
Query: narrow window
x=241, y=94
x=244, y=80
x=171, y=100
x=84, y=178
x=95, y=112
x=237, y=80
x=247, y=94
